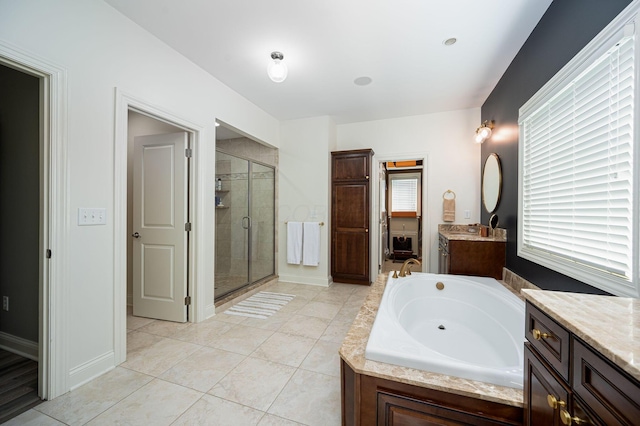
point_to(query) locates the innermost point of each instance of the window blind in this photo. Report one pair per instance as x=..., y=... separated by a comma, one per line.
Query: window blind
x=404, y=195
x=577, y=169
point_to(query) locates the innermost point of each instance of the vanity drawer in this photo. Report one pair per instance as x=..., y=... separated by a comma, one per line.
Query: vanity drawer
x=549, y=338
x=610, y=393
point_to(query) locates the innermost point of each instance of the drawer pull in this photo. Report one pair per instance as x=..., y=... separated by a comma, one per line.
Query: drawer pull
x=555, y=402
x=539, y=335
x=568, y=420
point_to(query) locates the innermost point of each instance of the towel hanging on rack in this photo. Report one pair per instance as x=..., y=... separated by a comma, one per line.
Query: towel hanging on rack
x=449, y=206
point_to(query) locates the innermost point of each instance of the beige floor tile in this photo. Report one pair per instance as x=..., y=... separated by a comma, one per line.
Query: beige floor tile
x=240, y=339
x=138, y=341
x=294, y=305
x=320, y=310
x=255, y=383
x=157, y=403
x=271, y=420
x=134, y=323
x=213, y=411
x=336, y=331
x=203, y=368
x=164, y=328
x=309, y=398
x=32, y=418
x=159, y=357
x=302, y=325
x=330, y=297
x=323, y=358
x=203, y=333
x=81, y=405
x=274, y=322
x=285, y=349
x=231, y=319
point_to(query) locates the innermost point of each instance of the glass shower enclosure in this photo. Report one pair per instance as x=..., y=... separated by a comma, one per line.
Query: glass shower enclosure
x=245, y=223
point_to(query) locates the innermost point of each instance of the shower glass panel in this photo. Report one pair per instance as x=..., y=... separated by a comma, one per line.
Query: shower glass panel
x=245, y=223
x=262, y=221
x=232, y=224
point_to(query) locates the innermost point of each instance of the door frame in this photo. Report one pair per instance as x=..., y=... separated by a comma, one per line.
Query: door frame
x=196, y=288
x=53, y=372
x=375, y=217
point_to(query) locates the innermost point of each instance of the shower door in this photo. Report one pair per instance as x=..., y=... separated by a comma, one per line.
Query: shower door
x=245, y=223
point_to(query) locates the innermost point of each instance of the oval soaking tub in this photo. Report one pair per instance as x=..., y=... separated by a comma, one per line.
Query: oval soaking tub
x=471, y=328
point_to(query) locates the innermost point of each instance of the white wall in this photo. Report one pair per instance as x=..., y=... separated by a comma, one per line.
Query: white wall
x=303, y=191
x=452, y=161
x=101, y=50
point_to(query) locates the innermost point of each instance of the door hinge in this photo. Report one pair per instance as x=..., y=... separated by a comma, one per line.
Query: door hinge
x=188, y=152
x=187, y=300
x=187, y=226
x=48, y=254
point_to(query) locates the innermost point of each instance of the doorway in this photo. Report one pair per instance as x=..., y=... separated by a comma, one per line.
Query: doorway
x=21, y=276
x=157, y=218
x=400, y=212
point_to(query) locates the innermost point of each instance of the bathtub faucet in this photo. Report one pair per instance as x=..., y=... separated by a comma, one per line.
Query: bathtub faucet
x=406, y=266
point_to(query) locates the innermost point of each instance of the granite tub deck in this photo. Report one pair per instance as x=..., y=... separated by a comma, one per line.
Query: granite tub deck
x=353, y=349
x=470, y=233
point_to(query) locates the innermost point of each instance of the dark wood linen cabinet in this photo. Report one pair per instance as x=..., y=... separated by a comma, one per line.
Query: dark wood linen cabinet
x=350, y=216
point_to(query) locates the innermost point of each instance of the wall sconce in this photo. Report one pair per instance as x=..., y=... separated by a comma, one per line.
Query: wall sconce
x=484, y=131
x=277, y=69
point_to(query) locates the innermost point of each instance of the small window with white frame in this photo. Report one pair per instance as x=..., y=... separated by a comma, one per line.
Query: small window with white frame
x=578, y=165
x=404, y=197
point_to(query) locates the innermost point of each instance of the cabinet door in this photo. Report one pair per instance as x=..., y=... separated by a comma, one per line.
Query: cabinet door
x=541, y=385
x=350, y=239
x=351, y=165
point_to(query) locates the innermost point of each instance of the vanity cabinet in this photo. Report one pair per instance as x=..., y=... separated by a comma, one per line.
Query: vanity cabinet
x=350, y=215
x=568, y=382
x=368, y=401
x=481, y=257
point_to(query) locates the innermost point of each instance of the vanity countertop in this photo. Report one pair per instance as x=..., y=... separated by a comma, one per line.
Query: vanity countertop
x=353, y=349
x=610, y=324
x=462, y=233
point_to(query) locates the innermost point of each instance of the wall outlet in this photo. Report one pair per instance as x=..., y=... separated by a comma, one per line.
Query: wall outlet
x=5, y=303
x=467, y=214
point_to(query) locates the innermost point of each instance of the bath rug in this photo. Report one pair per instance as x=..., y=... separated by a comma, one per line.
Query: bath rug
x=261, y=305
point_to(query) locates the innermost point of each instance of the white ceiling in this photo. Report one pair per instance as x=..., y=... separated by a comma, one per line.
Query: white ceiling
x=327, y=44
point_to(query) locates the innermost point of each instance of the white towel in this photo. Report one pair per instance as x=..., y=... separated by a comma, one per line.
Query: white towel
x=311, y=244
x=294, y=242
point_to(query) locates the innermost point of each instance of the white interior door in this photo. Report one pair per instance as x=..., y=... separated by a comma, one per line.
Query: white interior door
x=159, y=217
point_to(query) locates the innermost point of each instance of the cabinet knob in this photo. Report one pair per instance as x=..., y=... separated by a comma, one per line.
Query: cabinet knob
x=568, y=420
x=367, y=177
x=537, y=334
x=555, y=402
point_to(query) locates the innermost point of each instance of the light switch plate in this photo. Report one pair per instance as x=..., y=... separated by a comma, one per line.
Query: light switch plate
x=89, y=216
x=467, y=214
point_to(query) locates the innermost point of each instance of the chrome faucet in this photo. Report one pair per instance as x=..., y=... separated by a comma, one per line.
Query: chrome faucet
x=406, y=266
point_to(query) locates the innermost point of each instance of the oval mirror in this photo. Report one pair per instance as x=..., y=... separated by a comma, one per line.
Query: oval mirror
x=491, y=183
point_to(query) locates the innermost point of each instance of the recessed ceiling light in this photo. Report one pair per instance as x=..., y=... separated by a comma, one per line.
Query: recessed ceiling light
x=362, y=81
x=450, y=41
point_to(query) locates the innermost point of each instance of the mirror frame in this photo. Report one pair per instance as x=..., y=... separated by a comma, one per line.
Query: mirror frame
x=495, y=179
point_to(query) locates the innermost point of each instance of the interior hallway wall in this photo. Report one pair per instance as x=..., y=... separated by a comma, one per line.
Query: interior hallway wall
x=101, y=51
x=20, y=201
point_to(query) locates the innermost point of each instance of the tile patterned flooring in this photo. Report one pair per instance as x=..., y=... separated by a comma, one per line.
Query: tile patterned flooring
x=228, y=370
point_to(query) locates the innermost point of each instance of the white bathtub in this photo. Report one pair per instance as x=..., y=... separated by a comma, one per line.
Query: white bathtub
x=473, y=328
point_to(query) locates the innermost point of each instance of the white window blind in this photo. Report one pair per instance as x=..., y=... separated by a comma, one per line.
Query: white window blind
x=404, y=195
x=577, y=174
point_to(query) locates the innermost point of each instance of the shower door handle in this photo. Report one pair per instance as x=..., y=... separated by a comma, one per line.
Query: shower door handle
x=247, y=224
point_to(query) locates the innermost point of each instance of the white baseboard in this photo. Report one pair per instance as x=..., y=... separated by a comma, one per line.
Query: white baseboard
x=210, y=311
x=301, y=279
x=88, y=371
x=19, y=346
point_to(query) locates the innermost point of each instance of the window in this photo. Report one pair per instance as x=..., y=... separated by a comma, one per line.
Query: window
x=577, y=210
x=404, y=195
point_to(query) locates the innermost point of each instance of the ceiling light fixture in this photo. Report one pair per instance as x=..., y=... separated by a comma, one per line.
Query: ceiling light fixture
x=450, y=41
x=484, y=131
x=277, y=69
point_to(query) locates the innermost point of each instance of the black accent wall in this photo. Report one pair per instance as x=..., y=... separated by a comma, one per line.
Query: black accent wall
x=566, y=27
